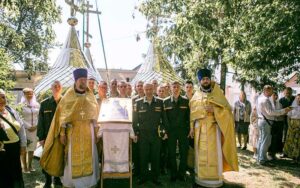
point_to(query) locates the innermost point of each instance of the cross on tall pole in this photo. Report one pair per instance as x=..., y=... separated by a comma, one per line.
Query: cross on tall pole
x=88, y=11
x=73, y=7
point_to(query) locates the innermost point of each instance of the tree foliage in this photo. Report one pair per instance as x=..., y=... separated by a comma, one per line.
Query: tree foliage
x=6, y=80
x=259, y=39
x=26, y=32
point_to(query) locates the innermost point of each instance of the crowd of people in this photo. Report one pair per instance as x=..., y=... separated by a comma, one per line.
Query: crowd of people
x=168, y=120
x=269, y=126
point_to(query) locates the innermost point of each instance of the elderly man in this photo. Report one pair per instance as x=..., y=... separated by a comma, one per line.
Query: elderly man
x=75, y=156
x=148, y=116
x=47, y=110
x=212, y=126
x=113, y=88
x=266, y=115
x=102, y=91
x=122, y=88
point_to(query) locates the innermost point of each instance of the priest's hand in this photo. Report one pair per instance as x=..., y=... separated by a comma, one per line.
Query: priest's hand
x=135, y=139
x=191, y=134
x=165, y=137
x=42, y=143
x=31, y=129
x=209, y=109
x=63, y=139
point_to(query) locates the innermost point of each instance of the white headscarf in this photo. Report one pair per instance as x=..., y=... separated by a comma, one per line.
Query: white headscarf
x=295, y=113
x=33, y=102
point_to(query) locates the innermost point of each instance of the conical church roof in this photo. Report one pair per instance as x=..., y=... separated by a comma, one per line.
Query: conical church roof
x=88, y=54
x=70, y=58
x=156, y=66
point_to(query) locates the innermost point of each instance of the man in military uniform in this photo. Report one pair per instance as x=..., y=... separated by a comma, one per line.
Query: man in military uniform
x=149, y=115
x=46, y=113
x=135, y=148
x=178, y=114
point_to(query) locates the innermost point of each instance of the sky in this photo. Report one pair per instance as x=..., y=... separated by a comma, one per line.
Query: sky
x=119, y=31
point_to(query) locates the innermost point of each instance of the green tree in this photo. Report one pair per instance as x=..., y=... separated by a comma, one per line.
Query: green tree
x=6, y=79
x=26, y=31
x=259, y=39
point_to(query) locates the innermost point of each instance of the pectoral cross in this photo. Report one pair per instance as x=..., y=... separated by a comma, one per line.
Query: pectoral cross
x=82, y=113
x=115, y=149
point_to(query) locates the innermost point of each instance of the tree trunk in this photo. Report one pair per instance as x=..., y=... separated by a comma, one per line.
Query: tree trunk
x=223, y=77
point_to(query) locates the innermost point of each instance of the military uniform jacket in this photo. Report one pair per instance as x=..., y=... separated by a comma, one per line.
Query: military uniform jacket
x=148, y=117
x=46, y=113
x=178, y=113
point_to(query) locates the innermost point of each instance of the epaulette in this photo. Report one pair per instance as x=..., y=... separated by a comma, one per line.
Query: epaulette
x=159, y=99
x=184, y=97
x=45, y=99
x=167, y=98
x=139, y=99
x=135, y=97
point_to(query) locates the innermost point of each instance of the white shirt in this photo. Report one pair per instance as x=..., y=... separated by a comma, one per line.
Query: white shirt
x=265, y=108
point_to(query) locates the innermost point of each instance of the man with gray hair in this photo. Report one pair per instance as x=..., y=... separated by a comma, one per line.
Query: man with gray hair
x=113, y=88
x=266, y=115
x=148, y=117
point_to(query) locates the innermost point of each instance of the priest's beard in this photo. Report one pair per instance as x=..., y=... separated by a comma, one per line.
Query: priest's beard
x=206, y=86
x=82, y=87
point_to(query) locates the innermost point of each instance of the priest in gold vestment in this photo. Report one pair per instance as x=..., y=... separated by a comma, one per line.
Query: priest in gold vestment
x=70, y=149
x=212, y=126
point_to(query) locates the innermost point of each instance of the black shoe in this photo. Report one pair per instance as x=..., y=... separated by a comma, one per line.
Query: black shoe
x=182, y=178
x=157, y=183
x=163, y=172
x=173, y=179
x=283, y=156
x=47, y=185
x=57, y=181
x=244, y=148
x=267, y=164
x=142, y=181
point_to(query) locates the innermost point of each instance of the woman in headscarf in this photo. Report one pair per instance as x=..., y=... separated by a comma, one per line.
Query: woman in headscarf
x=10, y=165
x=30, y=112
x=292, y=144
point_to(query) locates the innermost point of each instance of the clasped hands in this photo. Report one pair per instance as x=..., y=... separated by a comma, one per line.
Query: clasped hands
x=209, y=109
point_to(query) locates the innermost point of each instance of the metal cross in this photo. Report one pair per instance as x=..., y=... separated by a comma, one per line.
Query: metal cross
x=87, y=11
x=82, y=113
x=115, y=149
x=73, y=7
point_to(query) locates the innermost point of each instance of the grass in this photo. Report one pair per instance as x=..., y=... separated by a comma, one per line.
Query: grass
x=284, y=174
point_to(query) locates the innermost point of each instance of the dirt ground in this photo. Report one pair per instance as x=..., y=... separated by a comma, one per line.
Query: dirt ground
x=284, y=174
